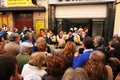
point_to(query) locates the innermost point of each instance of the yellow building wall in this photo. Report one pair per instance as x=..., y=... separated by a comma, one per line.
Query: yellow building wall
x=38, y=21
x=117, y=19
x=6, y=18
x=0, y=20
x=10, y=20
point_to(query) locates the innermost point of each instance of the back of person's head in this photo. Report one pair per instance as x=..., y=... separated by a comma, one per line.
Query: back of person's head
x=96, y=70
x=13, y=37
x=110, y=72
x=70, y=47
x=117, y=51
x=55, y=65
x=88, y=42
x=115, y=65
x=113, y=42
x=75, y=74
x=27, y=36
x=37, y=59
x=98, y=55
x=7, y=67
x=118, y=76
x=41, y=44
x=99, y=39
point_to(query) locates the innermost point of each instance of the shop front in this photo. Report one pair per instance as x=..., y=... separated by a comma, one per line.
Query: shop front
x=97, y=16
x=21, y=14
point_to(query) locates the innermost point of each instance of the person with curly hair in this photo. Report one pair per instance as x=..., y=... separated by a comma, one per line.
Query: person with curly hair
x=55, y=68
x=68, y=53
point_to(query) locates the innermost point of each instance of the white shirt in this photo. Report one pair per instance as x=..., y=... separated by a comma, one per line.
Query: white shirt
x=29, y=69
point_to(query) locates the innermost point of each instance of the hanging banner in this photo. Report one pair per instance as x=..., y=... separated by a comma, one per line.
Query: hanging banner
x=39, y=23
x=12, y=3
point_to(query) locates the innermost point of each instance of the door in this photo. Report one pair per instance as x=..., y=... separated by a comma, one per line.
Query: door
x=23, y=19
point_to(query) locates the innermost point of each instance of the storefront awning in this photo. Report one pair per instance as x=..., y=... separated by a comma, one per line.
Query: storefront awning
x=36, y=8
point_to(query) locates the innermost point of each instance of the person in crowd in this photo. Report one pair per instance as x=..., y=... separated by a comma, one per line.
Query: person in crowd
x=70, y=37
x=59, y=48
x=75, y=31
x=23, y=56
x=116, y=36
x=79, y=37
x=55, y=68
x=41, y=45
x=41, y=34
x=1, y=48
x=6, y=37
x=46, y=32
x=118, y=76
x=96, y=70
x=13, y=46
x=80, y=60
x=29, y=38
x=1, y=32
x=35, y=65
x=115, y=65
x=33, y=77
x=61, y=35
x=15, y=30
x=2, y=40
x=99, y=55
x=4, y=26
x=75, y=74
x=117, y=51
x=85, y=29
x=111, y=48
x=9, y=68
x=68, y=53
x=99, y=43
x=51, y=40
x=110, y=72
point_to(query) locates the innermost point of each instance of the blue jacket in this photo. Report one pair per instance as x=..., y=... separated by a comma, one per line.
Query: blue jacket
x=79, y=61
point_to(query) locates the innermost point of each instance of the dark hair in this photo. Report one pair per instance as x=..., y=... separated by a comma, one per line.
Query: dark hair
x=60, y=30
x=41, y=29
x=7, y=67
x=88, y=42
x=115, y=65
x=70, y=31
x=113, y=42
x=5, y=35
x=55, y=65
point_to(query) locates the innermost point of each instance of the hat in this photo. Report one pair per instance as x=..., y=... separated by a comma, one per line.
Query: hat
x=32, y=77
x=27, y=44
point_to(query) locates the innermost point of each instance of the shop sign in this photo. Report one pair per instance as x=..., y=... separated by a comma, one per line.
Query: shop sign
x=39, y=24
x=77, y=1
x=12, y=3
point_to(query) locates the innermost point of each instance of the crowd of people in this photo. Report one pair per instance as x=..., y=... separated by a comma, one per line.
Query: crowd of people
x=66, y=56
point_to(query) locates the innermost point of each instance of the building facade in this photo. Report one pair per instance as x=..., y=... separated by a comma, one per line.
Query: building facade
x=117, y=18
x=22, y=13
x=96, y=15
